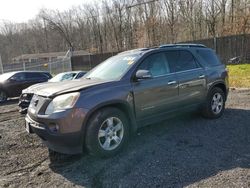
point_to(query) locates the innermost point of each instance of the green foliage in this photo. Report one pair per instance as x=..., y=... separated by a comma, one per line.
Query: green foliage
x=239, y=75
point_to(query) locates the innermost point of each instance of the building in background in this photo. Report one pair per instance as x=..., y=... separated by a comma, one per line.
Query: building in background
x=47, y=57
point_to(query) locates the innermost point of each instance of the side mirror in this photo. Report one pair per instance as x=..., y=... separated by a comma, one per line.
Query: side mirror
x=12, y=79
x=143, y=74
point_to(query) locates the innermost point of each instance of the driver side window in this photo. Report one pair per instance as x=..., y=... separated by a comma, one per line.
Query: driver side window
x=156, y=64
x=19, y=77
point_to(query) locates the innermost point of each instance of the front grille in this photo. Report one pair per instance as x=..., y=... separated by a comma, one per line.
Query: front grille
x=38, y=104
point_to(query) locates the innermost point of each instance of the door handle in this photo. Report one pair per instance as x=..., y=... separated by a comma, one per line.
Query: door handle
x=172, y=82
x=202, y=76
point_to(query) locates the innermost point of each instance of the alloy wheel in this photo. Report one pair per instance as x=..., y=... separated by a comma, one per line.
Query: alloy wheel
x=111, y=133
x=217, y=103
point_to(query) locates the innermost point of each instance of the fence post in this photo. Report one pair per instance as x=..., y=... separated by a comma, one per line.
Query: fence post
x=90, y=66
x=1, y=64
x=70, y=63
x=50, y=66
x=215, y=44
x=24, y=68
x=63, y=65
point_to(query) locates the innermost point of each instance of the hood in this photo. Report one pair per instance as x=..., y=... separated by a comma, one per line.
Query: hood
x=35, y=87
x=50, y=89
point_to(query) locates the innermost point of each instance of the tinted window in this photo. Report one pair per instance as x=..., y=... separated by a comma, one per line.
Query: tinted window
x=19, y=76
x=209, y=57
x=80, y=74
x=156, y=64
x=172, y=58
x=185, y=61
x=46, y=74
x=35, y=76
x=181, y=60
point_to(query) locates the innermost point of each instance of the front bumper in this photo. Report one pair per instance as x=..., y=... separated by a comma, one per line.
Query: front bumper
x=68, y=138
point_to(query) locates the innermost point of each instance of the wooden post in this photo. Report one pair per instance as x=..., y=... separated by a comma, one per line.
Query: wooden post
x=1, y=65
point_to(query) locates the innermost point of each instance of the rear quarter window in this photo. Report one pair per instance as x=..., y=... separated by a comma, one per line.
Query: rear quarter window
x=209, y=57
x=47, y=75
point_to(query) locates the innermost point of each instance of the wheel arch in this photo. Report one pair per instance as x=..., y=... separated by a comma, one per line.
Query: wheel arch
x=220, y=85
x=121, y=105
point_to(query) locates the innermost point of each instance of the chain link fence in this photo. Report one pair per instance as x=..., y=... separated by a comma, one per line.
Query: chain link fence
x=54, y=67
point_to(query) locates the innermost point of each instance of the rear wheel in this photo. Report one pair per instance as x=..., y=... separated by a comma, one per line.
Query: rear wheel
x=215, y=104
x=3, y=96
x=107, y=132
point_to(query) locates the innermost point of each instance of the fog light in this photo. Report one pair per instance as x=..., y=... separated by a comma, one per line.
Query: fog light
x=54, y=127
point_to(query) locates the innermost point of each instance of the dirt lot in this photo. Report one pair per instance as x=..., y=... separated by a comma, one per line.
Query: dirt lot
x=186, y=151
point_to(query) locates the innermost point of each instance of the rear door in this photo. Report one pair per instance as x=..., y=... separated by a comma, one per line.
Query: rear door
x=159, y=94
x=16, y=84
x=34, y=78
x=191, y=79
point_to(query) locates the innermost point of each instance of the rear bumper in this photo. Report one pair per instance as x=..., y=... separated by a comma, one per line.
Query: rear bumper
x=68, y=143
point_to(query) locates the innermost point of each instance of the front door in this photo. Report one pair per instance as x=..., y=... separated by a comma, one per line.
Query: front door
x=16, y=84
x=158, y=94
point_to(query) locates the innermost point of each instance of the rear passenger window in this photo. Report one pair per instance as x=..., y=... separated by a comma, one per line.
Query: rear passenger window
x=209, y=57
x=36, y=76
x=44, y=75
x=156, y=64
x=33, y=76
x=185, y=61
x=180, y=60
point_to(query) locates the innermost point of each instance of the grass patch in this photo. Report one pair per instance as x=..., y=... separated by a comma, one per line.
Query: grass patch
x=239, y=75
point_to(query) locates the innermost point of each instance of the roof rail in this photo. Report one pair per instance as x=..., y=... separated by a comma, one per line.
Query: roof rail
x=134, y=50
x=187, y=45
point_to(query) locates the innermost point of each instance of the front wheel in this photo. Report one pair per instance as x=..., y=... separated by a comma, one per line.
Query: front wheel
x=215, y=104
x=107, y=132
x=3, y=96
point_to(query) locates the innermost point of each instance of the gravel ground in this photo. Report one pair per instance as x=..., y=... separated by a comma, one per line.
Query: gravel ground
x=185, y=151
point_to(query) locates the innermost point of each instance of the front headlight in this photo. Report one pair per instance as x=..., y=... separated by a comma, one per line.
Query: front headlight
x=62, y=102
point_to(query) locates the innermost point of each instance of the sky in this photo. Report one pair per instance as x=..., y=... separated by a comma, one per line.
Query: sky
x=24, y=10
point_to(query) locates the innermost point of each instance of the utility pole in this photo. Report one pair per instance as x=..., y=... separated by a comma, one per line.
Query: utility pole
x=1, y=64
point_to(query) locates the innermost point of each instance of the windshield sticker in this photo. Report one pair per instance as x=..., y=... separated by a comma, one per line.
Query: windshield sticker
x=129, y=58
x=130, y=62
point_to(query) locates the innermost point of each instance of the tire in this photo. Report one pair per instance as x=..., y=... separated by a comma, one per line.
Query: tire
x=215, y=104
x=107, y=132
x=3, y=96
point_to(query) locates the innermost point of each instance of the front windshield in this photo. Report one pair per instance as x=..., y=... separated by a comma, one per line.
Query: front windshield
x=62, y=77
x=6, y=76
x=113, y=68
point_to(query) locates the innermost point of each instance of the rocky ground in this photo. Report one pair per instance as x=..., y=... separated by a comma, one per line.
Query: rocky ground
x=185, y=151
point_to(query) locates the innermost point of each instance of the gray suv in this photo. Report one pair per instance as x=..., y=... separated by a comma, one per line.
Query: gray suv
x=127, y=91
